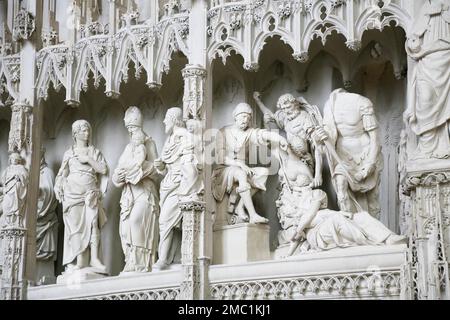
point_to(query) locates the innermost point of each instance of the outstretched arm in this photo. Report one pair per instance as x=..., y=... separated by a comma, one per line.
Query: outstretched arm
x=268, y=115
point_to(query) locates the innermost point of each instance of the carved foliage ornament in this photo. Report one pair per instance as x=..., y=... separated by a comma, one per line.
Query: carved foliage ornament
x=24, y=25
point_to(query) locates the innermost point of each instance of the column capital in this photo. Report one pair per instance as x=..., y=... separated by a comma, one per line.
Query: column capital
x=192, y=206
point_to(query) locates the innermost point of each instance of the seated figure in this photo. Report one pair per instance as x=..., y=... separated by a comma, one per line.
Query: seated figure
x=233, y=176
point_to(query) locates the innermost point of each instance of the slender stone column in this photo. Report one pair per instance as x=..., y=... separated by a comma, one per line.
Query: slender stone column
x=194, y=285
x=13, y=233
x=426, y=273
x=197, y=226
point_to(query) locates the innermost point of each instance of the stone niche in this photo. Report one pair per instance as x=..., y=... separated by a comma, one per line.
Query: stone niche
x=376, y=71
x=110, y=137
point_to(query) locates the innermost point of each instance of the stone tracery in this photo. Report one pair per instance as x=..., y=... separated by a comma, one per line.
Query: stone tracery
x=102, y=54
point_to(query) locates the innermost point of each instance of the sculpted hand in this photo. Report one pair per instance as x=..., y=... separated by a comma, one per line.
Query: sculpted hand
x=159, y=164
x=283, y=144
x=257, y=95
x=317, y=182
x=268, y=118
x=365, y=172
x=247, y=170
x=120, y=175
x=299, y=235
x=319, y=135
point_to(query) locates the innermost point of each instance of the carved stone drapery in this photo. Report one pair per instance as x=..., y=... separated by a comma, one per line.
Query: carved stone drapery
x=20, y=132
x=193, y=286
x=194, y=92
x=426, y=275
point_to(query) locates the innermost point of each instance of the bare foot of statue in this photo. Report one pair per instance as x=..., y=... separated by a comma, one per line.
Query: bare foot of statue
x=255, y=218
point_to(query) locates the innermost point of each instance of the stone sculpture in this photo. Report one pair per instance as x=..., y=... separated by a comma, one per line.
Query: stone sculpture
x=15, y=182
x=428, y=112
x=318, y=228
x=305, y=219
x=46, y=222
x=139, y=203
x=80, y=185
x=296, y=118
x=353, y=151
x=178, y=164
x=233, y=176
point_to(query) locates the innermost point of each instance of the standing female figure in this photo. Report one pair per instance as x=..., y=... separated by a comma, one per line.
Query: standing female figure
x=80, y=185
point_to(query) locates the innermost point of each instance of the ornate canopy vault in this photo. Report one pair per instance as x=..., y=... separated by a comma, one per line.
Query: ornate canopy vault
x=100, y=57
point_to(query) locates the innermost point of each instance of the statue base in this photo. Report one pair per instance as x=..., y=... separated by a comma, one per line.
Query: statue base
x=45, y=273
x=282, y=251
x=241, y=243
x=77, y=276
x=427, y=165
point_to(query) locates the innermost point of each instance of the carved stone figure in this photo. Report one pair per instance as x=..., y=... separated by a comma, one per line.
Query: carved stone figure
x=47, y=221
x=354, y=151
x=233, y=175
x=139, y=203
x=295, y=117
x=15, y=182
x=325, y=229
x=80, y=185
x=428, y=112
x=304, y=215
x=179, y=165
x=191, y=185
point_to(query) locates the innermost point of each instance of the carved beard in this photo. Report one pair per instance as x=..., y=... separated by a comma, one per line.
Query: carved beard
x=291, y=116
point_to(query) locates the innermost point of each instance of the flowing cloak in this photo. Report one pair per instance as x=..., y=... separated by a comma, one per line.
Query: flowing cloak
x=355, y=160
x=15, y=180
x=430, y=95
x=223, y=175
x=139, y=202
x=170, y=217
x=47, y=221
x=82, y=204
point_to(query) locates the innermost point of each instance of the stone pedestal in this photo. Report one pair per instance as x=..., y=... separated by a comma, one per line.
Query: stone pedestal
x=241, y=243
x=282, y=251
x=45, y=272
x=76, y=277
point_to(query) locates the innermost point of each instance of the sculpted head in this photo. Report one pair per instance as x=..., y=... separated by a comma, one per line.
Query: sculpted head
x=289, y=105
x=81, y=131
x=174, y=118
x=243, y=115
x=15, y=158
x=133, y=119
